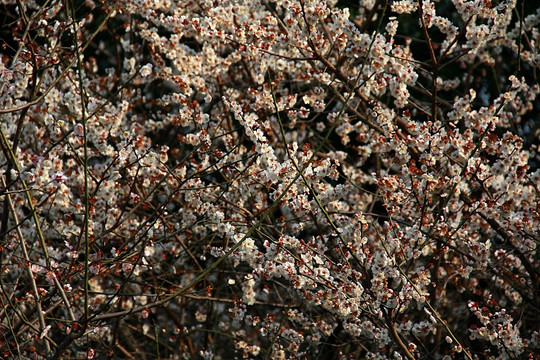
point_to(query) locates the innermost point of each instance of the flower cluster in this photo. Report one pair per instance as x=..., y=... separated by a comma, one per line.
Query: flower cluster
x=281, y=179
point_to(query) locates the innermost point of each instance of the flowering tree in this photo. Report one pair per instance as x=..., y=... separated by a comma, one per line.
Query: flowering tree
x=273, y=179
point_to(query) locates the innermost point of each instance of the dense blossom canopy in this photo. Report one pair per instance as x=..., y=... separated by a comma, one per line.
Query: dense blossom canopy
x=269, y=179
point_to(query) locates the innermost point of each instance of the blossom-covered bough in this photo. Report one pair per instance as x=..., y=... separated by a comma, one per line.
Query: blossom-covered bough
x=273, y=179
